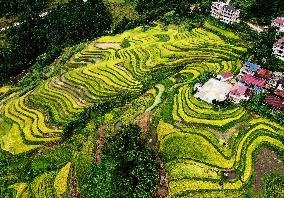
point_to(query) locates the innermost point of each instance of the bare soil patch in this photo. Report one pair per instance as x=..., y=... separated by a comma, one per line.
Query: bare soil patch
x=163, y=189
x=266, y=161
x=73, y=193
x=107, y=45
x=143, y=121
x=100, y=143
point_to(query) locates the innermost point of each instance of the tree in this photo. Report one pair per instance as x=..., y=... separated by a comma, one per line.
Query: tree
x=136, y=172
x=68, y=24
x=262, y=11
x=19, y=7
x=261, y=50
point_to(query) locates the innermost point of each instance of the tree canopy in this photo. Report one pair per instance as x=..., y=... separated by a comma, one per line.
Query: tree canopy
x=68, y=24
x=136, y=172
x=262, y=11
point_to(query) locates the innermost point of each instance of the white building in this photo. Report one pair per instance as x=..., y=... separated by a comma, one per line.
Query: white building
x=214, y=90
x=225, y=12
x=278, y=49
x=279, y=23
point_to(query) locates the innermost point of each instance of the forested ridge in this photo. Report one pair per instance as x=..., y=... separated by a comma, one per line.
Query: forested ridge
x=65, y=25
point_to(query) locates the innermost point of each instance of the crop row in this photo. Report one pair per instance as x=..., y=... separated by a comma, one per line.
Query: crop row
x=76, y=89
x=185, y=151
x=30, y=121
x=48, y=184
x=185, y=110
x=146, y=51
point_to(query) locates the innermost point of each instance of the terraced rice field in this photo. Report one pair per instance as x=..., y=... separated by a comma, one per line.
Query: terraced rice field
x=203, y=141
x=49, y=184
x=104, y=73
x=197, y=141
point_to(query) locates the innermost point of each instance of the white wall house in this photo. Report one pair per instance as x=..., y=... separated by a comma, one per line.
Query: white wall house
x=225, y=12
x=279, y=23
x=278, y=49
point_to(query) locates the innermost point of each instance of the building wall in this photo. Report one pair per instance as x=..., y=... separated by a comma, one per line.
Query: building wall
x=278, y=51
x=219, y=11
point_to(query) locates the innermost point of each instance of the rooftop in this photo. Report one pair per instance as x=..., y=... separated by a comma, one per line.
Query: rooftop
x=279, y=20
x=279, y=92
x=252, y=80
x=279, y=42
x=226, y=74
x=264, y=73
x=252, y=66
x=281, y=81
x=230, y=7
x=274, y=101
x=214, y=90
x=239, y=90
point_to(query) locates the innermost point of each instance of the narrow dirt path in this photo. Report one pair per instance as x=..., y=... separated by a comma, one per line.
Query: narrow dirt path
x=163, y=189
x=73, y=193
x=100, y=143
x=143, y=121
x=158, y=99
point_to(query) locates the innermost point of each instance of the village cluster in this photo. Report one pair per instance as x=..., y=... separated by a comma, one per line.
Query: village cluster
x=229, y=14
x=252, y=79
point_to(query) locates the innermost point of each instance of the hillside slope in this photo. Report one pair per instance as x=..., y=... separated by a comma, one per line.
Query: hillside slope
x=115, y=77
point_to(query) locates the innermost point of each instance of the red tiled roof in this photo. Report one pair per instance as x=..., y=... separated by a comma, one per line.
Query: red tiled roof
x=274, y=101
x=279, y=20
x=238, y=90
x=226, y=74
x=279, y=92
x=264, y=73
x=252, y=80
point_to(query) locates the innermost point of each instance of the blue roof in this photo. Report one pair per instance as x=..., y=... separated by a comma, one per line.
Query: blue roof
x=242, y=84
x=252, y=66
x=257, y=89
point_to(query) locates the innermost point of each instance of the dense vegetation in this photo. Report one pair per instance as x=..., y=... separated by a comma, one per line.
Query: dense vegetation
x=260, y=11
x=45, y=36
x=17, y=7
x=135, y=172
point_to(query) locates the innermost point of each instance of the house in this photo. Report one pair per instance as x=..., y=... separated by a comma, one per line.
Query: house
x=279, y=23
x=214, y=90
x=264, y=73
x=254, y=83
x=279, y=93
x=278, y=49
x=277, y=76
x=281, y=84
x=275, y=102
x=249, y=68
x=272, y=83
x=225, y=12
x=239, y=92
x=224, y=76
x=252, y=66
